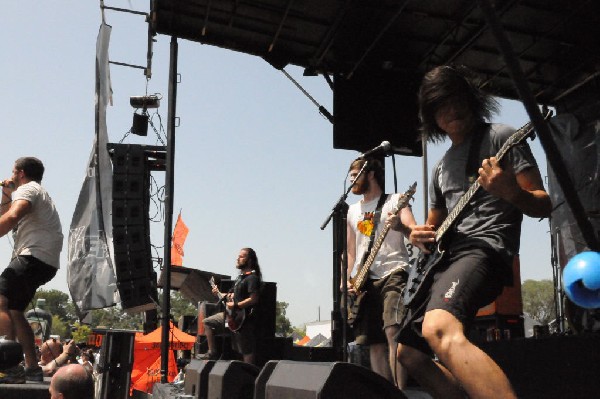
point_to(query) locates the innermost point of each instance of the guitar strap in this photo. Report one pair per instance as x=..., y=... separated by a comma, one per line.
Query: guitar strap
x=376, y=218
x=473, y=161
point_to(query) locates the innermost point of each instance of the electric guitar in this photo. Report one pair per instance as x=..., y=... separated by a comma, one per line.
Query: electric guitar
x=234, y=317
x=418, y=279
x=360, y=279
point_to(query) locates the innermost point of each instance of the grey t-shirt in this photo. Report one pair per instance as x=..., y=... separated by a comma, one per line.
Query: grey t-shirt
x=39, y=232
x=487, y=222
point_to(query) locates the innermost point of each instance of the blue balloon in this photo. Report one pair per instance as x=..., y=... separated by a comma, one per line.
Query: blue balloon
x=581, y=279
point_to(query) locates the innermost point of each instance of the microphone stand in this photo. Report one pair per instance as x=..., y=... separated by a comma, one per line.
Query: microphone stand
x=339, y=314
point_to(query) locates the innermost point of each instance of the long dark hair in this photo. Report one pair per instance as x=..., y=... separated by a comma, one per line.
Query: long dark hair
x=445, y=83
x=253, y=261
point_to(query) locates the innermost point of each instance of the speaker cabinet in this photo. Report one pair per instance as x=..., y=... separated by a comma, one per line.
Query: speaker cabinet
x=136, y=279
x=266, y=310
x=196, y=378
x=232, y=380
x=372, y=107
x=115, y=363
x=138, y=295
x=337, y=380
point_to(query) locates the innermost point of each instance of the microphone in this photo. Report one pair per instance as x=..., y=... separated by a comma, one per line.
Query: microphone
x=10, y=184
x=384, y=148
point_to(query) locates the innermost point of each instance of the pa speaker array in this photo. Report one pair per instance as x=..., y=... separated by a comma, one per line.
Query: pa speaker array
x=136, y=279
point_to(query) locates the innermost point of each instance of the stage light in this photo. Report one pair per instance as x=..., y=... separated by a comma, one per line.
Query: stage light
x=140, y=124
x=140, y=120
x=151, y=101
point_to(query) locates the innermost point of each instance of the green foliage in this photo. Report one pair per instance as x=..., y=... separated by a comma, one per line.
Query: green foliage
x=60, y=327
x=57, y=303
x=80, y=332
x=538, y=300
x=181, y=306
x=114, y=317
x=282, y=324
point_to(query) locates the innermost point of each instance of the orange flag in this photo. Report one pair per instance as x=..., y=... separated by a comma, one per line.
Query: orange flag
x=179, y=235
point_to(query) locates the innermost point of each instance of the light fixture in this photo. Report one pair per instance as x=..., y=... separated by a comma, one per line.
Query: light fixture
x=140, y=120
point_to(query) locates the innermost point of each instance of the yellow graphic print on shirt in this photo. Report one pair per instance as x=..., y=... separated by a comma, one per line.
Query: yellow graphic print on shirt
x=365, y=226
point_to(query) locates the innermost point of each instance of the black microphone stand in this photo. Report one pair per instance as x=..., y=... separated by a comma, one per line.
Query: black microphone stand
x=339, y=314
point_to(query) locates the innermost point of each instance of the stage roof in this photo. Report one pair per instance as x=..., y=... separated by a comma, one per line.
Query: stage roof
x=556, y=41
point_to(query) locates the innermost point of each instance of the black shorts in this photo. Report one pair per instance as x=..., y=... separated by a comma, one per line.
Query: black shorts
x=21, y=278
x=465, y=282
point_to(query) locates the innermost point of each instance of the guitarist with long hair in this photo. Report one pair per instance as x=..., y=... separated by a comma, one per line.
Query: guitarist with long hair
x=241, y=300
x=379, y=311
x=470, y=265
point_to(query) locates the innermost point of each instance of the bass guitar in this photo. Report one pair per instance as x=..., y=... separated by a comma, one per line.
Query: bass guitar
x=234, y=318
x=418, y=279
x=360, y=279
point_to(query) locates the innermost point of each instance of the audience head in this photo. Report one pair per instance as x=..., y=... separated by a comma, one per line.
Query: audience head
x=71, y=382
x=50, y=350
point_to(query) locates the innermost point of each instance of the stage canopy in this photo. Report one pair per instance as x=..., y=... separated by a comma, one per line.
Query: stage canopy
x=557, y=41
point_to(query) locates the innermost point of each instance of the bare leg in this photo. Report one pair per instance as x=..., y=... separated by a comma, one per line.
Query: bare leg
x=397, y=371
x=6, y=324
x=25, y=336
x=379, y=360
x=436, y=379
x=478, y=374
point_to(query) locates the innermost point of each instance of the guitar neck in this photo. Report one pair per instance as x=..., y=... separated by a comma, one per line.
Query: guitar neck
x=516, y=138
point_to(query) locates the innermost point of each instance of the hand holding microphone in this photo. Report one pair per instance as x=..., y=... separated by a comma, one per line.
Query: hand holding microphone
x=7, y=184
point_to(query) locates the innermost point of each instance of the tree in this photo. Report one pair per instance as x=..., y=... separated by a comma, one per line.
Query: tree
x=181, y=306
x=538, y=300
x=60, y=327
x=282, y=324
x=81, y=332
x=115, y=317
x=57, y=303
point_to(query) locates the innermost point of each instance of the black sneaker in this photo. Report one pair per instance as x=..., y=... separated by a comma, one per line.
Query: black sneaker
x=34, y=374
x=13, y=375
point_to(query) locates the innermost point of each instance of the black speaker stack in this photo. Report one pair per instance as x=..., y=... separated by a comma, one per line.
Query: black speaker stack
x=136, y=279
x=115, y=364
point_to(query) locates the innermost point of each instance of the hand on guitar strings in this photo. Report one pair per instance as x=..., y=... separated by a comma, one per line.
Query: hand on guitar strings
x=497, y=181
x=421, y=236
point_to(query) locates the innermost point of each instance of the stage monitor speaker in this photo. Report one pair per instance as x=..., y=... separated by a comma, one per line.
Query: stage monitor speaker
x=373, y=107
x=337, y=380
x=264, y=375
x=196, y=378
x=115, y=363
x=232, y=380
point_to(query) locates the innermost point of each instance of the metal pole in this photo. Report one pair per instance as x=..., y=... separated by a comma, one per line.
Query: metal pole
x=169, y=179
x=541, y=127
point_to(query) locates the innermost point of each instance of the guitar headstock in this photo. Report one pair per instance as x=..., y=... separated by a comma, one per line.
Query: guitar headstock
x=404, y=198
x=212, y=281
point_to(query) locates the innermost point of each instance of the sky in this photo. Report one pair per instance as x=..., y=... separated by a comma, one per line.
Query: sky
x=254, y=160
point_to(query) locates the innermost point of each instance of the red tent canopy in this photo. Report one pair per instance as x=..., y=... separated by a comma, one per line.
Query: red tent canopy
x=147, y=360
x=178, y=340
